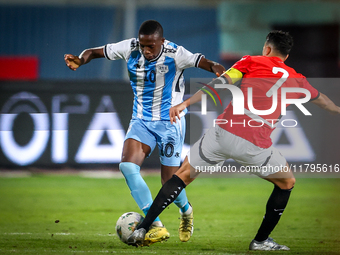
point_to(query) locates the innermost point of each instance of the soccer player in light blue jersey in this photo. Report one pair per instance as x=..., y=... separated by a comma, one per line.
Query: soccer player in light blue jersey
x=155, y=67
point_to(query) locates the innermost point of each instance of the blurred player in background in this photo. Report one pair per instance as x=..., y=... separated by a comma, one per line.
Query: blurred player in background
x=155, y=67
x=248, y=145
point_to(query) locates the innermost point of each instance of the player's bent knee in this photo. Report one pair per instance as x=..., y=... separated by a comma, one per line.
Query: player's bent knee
x=291, y=183
x=128, y=168
x=185, y=176
x=287, y=183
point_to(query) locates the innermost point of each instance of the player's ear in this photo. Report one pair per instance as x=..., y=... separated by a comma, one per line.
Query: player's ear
x=163, y=39
x=267, y=50
x=286, y=57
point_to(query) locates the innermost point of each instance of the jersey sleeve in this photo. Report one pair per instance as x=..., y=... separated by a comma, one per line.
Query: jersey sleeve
x=243, y=64
x=120, y=50
x=185, y=59
x=314, y=93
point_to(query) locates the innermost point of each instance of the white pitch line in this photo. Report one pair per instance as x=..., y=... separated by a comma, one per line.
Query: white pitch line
x=15, y=174
x=101, y=174
x=16, y=233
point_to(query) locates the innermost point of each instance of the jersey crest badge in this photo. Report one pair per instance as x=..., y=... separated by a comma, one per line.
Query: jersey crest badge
x=162, y=69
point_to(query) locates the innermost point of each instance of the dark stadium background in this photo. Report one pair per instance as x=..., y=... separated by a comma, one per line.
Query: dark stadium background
x=36, y=35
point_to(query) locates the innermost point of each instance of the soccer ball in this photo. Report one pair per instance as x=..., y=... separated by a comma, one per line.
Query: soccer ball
x=126, y=224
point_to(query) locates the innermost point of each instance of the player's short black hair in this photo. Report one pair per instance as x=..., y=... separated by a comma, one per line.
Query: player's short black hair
x=282, y=41
x=150, y=27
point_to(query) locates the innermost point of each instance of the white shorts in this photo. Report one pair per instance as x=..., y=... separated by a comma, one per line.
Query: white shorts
x=218, y=145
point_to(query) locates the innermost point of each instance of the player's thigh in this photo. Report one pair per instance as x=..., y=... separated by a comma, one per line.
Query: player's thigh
x=263, y=162
x=207, y=153
x=134, y=151
x=139, y=142
x=170, y=139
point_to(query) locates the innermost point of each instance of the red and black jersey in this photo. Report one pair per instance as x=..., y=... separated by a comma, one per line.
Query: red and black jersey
x=266, y=76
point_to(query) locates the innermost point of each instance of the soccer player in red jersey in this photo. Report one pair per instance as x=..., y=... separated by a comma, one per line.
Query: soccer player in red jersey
x=245, y=137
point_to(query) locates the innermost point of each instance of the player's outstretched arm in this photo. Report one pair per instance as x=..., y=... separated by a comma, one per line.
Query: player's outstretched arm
x=175, y=111
x=211, y=66
x=74, y=62
x=325, y=103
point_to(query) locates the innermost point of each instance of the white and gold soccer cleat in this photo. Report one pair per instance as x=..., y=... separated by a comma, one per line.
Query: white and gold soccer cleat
x=186, y=227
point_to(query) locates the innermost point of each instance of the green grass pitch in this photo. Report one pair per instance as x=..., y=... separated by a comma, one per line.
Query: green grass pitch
x=47, y=214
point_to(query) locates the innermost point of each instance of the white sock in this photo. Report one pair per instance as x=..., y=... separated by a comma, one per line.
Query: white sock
x=157, y=223
x=187, y=212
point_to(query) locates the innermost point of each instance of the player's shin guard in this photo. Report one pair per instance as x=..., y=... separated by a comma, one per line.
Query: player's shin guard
x=275, y=206
x=167, y=194
x=139, y=189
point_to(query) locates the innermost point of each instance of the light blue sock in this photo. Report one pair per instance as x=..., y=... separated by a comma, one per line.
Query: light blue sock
x=182, y=201
x=139, y=189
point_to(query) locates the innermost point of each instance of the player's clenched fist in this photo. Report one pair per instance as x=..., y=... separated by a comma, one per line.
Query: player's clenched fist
x=73, y=62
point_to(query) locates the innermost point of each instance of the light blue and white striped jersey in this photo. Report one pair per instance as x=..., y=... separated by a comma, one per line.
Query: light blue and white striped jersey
x=157, y=84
